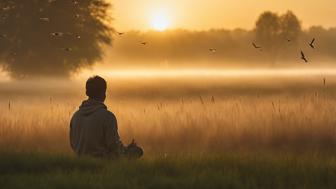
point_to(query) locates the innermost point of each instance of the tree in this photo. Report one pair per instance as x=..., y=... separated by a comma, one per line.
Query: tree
x=267, y=29
x=290, y=27
x=273, y=33
x=52, y=37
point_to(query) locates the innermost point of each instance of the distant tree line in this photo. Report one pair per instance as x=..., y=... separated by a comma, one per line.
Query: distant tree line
x=280, y=37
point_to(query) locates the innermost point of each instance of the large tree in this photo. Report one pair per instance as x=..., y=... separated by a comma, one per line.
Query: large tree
x=52, y=37
x=290, y=26
x=273, y=32
x=268, y=29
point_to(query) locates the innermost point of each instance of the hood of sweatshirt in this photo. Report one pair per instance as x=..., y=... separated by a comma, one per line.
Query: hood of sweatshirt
x=90, y=106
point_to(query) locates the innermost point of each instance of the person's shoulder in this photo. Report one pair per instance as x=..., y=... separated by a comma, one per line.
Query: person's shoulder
x=75, y=114
x=110, y=118
x=109, y=114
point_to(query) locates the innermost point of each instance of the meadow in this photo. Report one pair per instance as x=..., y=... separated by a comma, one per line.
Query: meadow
x=228, y=132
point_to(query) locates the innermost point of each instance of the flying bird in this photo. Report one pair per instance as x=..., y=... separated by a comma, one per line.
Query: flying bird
x=120, y=33
x=303, y=57
x=288, y=40
x=255, y=46
x=68, y=49
x=57, y=34
x=7, y=8
x=324, y=81
x=144, y=43
x=212, y=50
x=311, y=44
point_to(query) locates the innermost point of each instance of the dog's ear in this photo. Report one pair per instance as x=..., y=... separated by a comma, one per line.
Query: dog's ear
x=133, y=142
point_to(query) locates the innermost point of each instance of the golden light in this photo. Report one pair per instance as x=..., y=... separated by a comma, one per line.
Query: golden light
x=160, y=21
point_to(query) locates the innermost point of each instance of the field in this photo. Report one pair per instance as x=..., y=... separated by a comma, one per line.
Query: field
x=228, y=171
x=231, y=132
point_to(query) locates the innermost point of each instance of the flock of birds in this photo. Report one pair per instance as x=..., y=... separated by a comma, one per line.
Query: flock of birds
x=122, y=33
x=303, y=56
x=213, y=50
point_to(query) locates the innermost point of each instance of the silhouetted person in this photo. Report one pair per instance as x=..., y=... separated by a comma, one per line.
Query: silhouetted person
x=94, y=129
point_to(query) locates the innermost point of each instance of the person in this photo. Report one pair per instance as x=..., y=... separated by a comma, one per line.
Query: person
x=94, y=129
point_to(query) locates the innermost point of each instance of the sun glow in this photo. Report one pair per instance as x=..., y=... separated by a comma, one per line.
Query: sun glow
x=160, y=21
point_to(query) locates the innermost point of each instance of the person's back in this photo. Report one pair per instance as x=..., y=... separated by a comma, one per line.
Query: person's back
x=94, y=129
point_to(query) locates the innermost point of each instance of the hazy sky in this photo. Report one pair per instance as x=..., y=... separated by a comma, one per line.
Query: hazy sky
x=205, y=14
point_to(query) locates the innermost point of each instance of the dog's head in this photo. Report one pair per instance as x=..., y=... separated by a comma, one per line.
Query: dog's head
x=134, y=151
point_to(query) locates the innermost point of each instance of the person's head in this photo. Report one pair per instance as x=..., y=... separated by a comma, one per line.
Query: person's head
x=96, y=88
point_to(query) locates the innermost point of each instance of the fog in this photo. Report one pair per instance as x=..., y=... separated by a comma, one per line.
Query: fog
x=232, y=47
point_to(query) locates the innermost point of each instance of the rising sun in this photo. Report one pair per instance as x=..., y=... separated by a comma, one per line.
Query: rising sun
x=160, y=21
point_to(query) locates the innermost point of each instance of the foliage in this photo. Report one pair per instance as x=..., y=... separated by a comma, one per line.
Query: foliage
x=272, y=31
x=52, y=37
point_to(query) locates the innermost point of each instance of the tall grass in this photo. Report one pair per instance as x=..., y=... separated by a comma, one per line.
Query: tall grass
x=215, y=121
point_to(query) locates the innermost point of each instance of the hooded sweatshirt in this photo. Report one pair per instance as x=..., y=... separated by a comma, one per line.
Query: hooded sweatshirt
x=94, y=131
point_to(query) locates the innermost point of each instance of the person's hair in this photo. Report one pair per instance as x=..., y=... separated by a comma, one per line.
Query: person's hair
x=95, y=87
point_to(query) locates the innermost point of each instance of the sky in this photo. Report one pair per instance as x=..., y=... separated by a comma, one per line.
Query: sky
x=208, y=14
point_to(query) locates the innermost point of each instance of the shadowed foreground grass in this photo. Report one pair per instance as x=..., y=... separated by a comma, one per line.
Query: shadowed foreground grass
x=229, y=171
